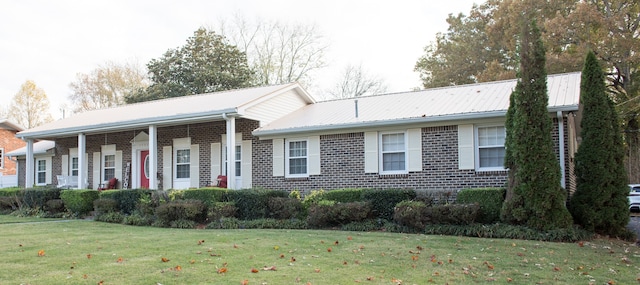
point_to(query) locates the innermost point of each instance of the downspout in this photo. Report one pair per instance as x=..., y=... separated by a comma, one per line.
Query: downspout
x=561, y=149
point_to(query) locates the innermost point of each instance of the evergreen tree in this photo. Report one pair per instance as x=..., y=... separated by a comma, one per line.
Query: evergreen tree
x=600, y=202
x=536, y=198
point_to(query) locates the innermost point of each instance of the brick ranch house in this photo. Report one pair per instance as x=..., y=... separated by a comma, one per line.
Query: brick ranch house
x=438, y=139
x=8, y=142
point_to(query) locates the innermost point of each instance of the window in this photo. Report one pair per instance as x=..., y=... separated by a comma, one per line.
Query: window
x=393, y=154
x=1, y=158
x=41, y=172
x=297, y=157
x=183, y=163
x=109, y=166
x=238, y=161
x=74, y=166
x=490, y=148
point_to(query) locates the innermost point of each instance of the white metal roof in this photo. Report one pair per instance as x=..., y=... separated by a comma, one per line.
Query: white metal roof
x=482, y=100
x=9, y=125
x=40, y=147
x=186, y=109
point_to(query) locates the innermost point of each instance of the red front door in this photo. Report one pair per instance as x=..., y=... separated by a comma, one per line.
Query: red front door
x=144, y=169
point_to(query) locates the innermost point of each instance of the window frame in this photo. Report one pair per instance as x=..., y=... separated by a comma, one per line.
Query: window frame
x=288, y=158
x=42, y=172
x=382, y=152
x=176, y=164
x=106, y=178
x=71, y=164
x=477, y=147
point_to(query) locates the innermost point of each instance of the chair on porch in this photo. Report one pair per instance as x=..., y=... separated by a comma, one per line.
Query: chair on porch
x=111, y=184
x=221, y=181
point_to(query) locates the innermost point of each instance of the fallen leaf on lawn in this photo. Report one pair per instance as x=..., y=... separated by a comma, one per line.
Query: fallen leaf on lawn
x=84, y=276
x=419, y=248
x=41, y=252
x=235, y=245
x=244, y=282
x=396, y=281
x=200, y=242
x=556, y=268
x=253, y=270
x=120, y=260
x=328, y=249
x=276, y=247
x=192, y=261
x=349, y=238
x=269, y=268
x=611, y=282
x=370, y=278
x=414, y=257
x=336, y=242
x=581, y=243
x=164, y=259
x=509, y=279
x=178, y=268
x=317, y=270
x=344, y=263
x=101, y=282
x=281, y=255
x=222, y=270
x=293, y=259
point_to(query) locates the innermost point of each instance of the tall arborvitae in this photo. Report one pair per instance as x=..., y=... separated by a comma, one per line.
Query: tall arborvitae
x=536, y=198
x=600, y=202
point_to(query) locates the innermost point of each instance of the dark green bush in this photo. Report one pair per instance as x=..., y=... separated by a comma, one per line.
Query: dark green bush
x=192, y=210
x=410, y=214
x=127, y=199
x=275, y=224
x=453, y=214
x=137, y=219
x=182, y=224
x=10, y=192
x=111, y=217
x=253, y=204
x=222, y=210
x=327, y=215
x=206, y=195
x=225, y=223
x=284, y=208
x=363, y=226
x=344, y=195
x=79, y=202
x=105, y=205
x=37, y=197
x=383, y=201
x=9, y=204
x=54, y=206
x=489, y=199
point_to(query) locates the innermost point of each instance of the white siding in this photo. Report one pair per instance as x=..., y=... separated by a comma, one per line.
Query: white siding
x=276, y=107
x=466, y=151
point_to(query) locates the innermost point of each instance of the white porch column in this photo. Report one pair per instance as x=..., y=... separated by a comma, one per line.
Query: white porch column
x=153, y=157
x=231, y=152
x=29, y=166
x=82, y=173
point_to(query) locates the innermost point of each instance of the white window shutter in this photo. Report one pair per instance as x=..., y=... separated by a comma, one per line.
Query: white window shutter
x=167, y=167
x=371, y=152
x=314, y=155
x=247, y=172
x=216, y=161
x=466, y=153
x=65, y=165
x=48, y=174
x=119, y=165
x=414, y=151
x=97, y=166
x=278, y=157
x=194, y=162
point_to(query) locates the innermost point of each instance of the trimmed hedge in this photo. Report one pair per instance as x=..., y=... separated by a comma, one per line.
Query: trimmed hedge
x=383, y=201
x=253, y=204
x=207, y=195
x=285, y=208
x=10, y=192
x=175, y=213
x=328, y=213
x=489, y=199
x=127, y=199
x=346, y=195
x=36, y=198
x=79, y=201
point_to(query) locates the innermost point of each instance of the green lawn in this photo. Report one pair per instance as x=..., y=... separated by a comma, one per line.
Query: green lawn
x=86, y=252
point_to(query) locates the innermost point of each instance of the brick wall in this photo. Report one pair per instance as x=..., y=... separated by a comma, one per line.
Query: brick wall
x=9, y=142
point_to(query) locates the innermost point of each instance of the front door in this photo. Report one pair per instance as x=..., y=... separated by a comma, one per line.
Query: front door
x=144, y=169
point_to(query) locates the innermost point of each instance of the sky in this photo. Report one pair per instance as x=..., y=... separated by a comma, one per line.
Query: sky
x=50, y=42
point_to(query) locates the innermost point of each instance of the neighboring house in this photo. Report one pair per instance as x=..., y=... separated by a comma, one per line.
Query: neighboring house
x=438, y=139
x=8, y=142
x=43, y=152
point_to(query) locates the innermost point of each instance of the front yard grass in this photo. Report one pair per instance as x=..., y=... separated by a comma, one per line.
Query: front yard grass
x=86, y=252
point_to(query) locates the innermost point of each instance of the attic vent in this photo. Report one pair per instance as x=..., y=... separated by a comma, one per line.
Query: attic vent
x=356, y=105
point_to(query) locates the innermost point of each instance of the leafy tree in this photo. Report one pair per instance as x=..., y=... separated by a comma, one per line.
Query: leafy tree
x=30, y=106
x=206, y=63
x=278, y=52
x=106, y=86
x=355, y=82
x=600, y=202
x=536, y=198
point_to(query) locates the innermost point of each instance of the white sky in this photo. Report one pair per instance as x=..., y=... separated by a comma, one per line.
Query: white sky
x=49, y=42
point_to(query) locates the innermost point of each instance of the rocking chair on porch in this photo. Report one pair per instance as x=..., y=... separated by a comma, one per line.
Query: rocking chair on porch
x=112, y=184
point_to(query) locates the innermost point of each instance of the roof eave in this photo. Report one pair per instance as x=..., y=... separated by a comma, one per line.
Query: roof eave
x=387, y=123
x=127, y=125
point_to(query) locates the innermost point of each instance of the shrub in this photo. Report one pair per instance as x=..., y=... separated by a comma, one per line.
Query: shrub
x=224, y=223
x=313, y=197
x=275, y=224
x=10, y=192
x=105, y=205
x=252, y=204
x=284, y=208
x=127, y=199
x=454, y=214
x=363, y=226
x=222, y=210
x=79, y=201
x=54, y=206
x=206, y=195
x=9, y=204
x=182, y=224
x=295, y=194
x=489, y=199
x=437, y=197
x=37, y=197
x=344, y=195
x=383, y=201
x=111, y=217
x=410, y=214
x=192, y=210
x=323, y=215
x=137, y=219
